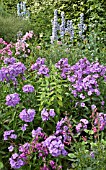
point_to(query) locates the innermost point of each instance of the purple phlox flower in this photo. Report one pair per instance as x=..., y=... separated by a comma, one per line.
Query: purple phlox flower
x=23, y=128
x=55, y=146
x=28, y=88
x=24, y=148
x=9, y=134
x=43, y=70
x=44, y=115
x=12, y=99
x=10, y=60
x=27, y=115
x=12, y=71
x=16, y=162
x=52, y=112
x=10, y=148
x=36, y=132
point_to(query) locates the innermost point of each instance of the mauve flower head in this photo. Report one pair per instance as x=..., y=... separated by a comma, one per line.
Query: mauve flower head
x=10, y=60
x=36, y=132
x=24, y=148
x=9, y=134
x=52, y=112
x=46, y=115
x=43, y=70
x=27, y=115
x=12, y=99
x=12, y=71
x=55, y=146
x=16, y=162
x=28, y=88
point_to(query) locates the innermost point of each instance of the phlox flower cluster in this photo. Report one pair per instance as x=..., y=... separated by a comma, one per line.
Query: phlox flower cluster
x=27, y=115
x=28, y=88
x=10, y=60
x=16, y=162
x=63, y=66
x=9, y=134
x=46, y=115
x=63, y=130
x=100, y=121
x=12, y=71
x=84, y=77
x=40, y=67
x=82, y=125
x=12, y=99
x=55, y=146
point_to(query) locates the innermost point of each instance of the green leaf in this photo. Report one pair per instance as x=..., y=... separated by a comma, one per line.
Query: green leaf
x=71, y=155
x=1, y=165
x=59, y=96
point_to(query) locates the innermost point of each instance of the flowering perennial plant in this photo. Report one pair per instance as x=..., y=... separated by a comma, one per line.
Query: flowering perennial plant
x=12, y=71
x=28, y=88
x=9, y=135
x=12, y=99
x=46, y=115
x=27, y=115
x=55, y=146
x=40, y=66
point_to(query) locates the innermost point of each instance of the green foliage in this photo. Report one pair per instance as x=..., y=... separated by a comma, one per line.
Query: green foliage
x=10, y=25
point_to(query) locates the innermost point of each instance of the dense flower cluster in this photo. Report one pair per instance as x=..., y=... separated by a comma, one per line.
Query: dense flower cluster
x=84, y=77
x=55, y=146
x=40, y=66
x=10, y=60
x=28, y=88
x=9, y=134
x=63, y=66
x=46, y=115
x=27, y=115
x=12, y=99
x=16, y=162
x=12, y=71
x=82, y=125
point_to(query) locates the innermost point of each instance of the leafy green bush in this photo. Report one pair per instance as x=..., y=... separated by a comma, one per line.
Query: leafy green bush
x=10, y=25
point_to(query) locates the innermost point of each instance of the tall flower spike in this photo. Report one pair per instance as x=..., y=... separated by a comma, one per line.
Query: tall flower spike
x=70, y=29
x=62, y=26
x=55, y=27
x=82, y=26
